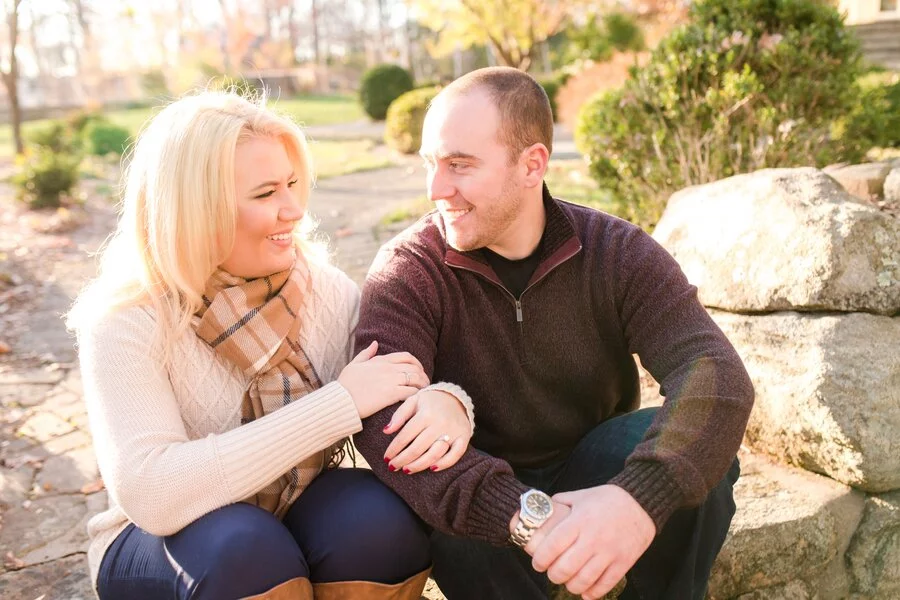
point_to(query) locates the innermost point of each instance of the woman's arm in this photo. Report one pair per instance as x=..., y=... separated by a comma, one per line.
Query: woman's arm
x=162, y=480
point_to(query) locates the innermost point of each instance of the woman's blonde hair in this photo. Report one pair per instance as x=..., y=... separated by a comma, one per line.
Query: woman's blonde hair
x=178, y=217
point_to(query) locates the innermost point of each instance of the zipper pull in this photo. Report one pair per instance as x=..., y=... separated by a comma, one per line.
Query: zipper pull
x=518, y=311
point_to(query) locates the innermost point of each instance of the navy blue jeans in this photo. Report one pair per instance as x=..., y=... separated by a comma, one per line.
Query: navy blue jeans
x=676, y=566
x=345, y=526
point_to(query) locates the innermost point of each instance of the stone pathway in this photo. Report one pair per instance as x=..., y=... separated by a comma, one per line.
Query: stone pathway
x=49, y=484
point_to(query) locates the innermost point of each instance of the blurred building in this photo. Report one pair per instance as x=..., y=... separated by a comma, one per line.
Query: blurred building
x=877, y=22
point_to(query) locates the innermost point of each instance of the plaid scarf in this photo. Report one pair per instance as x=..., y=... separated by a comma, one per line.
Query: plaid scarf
x=255, y=324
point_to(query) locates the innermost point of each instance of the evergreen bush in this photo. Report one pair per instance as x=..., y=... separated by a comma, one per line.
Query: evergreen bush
x=745, y=84
x=46, y=177
x=102, y=138
x=405, y=117
x=380, y=86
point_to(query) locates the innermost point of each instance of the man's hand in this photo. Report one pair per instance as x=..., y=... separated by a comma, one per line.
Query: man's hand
x=603, y=533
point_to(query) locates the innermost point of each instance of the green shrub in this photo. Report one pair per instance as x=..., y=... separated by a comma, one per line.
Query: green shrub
x=154, y=84
x=877, y=112
x=46, y=177
x=382, y=85
x=80, y=119
x=238, y=85
x=551, y=85
x=746, y=84
x=102, y=138
x=55, y=136
x=601, y=36
x=405, y=117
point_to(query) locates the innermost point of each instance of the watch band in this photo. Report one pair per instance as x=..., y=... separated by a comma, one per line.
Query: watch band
x=521, y=535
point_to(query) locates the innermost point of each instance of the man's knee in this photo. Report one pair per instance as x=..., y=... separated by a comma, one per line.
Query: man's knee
x=602, y=453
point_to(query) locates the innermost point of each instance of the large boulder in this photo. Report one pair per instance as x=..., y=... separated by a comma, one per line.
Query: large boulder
x=827, y=392
x=892, y=186
x=784, y=239
x=788, y=537
x=864, y=181
x=874, y=556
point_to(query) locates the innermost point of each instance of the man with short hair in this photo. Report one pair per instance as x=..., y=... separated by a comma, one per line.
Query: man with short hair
x=535, y=307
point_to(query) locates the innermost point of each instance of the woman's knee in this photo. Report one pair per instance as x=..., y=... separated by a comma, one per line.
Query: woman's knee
x=352, y=526
x=238, y=550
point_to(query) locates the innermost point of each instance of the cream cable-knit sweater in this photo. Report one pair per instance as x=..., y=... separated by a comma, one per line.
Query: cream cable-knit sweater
x=167, y=441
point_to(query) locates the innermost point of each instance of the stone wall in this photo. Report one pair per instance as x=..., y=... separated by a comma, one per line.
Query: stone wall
x=801, y=269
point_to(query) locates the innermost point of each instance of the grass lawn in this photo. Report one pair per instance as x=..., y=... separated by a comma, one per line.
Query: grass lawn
x=306, y=110
x=569, y=180
x=332, y=158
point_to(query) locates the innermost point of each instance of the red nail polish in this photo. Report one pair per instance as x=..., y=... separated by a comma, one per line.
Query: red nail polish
x=434, y=467
x=386, y=460
x=391, y=468
x=386, y=427
x=407, y=471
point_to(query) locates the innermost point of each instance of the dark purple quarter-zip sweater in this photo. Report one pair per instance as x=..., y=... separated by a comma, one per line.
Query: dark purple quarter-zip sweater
x=545, y=368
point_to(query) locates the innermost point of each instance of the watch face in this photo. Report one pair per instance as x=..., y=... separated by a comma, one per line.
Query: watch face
x=538, y=504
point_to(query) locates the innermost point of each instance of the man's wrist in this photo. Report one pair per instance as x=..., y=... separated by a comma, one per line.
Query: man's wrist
x=513, y=522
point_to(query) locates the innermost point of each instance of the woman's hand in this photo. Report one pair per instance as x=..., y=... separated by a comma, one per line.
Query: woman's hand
x=375, y=382
x=435, y=433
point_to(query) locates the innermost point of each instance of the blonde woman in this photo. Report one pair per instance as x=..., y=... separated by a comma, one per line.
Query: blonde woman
x=214, y=347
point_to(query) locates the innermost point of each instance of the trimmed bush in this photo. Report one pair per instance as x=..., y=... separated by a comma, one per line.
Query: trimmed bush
x=55, y=136
x=746, y=84
x=154, y=83
x=238, y=85
x=382, y=85
x=405, y=117
x=46, y=177
x=551, y=85
x=877, y=112
x=80, y=119
x=102, y=138
x=602, y=36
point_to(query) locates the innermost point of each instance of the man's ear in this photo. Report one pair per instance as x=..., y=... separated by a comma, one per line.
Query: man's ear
x=534, y=160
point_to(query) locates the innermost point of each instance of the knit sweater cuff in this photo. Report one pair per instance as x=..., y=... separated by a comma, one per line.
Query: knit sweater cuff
x=493, y=509
x=654, y=489
x=460, y=394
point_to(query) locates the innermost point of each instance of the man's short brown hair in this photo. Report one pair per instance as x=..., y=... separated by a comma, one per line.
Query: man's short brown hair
x=525, y=114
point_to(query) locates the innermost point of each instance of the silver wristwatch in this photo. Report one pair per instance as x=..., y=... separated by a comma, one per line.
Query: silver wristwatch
x=536, y=507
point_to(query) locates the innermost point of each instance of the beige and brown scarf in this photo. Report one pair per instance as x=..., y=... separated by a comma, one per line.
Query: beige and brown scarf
x=255, y=324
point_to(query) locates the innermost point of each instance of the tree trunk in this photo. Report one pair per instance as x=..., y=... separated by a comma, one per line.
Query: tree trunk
x=224, y=41
x=407, y=38
x=293, y=34
x=11, y=77
x=315, y=31
x=15, y=111
x=382, y=35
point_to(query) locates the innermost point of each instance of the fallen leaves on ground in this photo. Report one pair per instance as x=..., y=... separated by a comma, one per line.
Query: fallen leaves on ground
x=92, y=487
x=12, y=563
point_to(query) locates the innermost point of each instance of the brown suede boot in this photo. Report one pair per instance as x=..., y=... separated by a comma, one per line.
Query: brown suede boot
x=411, y=589
x=298, y=588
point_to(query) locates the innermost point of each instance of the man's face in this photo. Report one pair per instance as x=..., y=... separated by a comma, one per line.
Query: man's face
x=470, y=178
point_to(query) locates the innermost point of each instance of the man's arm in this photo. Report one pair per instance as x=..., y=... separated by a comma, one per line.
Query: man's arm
x=478, y=495
x=689, y=446
x=708, y=394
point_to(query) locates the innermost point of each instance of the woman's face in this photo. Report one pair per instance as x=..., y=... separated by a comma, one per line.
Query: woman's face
x=269, y=205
